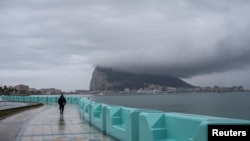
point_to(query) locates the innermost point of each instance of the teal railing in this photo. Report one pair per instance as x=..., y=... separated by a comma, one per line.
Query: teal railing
x=132, y=124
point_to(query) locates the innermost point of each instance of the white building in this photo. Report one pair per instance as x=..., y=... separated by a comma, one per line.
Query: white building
x=171, y=90
x=22, y=89
x=50, y=91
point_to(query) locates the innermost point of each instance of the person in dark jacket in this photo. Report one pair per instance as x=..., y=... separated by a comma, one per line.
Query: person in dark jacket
x=61, y=102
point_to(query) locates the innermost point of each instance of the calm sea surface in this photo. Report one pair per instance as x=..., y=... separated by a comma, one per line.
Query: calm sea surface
x=229, y=105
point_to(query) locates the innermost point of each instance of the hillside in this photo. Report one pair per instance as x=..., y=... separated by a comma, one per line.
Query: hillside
x=110, y=79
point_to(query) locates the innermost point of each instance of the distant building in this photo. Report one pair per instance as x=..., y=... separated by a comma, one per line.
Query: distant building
x=32, y=90
x=22, y=89
x=81, y=91
x=171, y=90
x=50, y=91
x=127, y=90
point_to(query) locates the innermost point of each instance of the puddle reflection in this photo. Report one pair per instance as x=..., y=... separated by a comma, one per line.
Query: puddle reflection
x=61, y=125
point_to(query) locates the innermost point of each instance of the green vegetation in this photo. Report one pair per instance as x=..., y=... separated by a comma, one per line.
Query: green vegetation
x=7, y=90
x=7, y=112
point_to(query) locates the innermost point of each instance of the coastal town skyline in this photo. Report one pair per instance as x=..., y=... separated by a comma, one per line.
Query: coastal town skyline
x=58, y=44
x=23, y=89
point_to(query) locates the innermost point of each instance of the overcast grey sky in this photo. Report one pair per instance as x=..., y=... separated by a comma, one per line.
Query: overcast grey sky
x=57, y=43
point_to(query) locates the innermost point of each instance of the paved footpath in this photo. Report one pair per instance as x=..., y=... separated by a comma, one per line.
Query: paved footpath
x=47, y=124
x=10, y=126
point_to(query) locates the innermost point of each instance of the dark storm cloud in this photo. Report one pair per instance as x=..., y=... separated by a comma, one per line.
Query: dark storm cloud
x=228, y=54
x=181, y=38
x=211, y=38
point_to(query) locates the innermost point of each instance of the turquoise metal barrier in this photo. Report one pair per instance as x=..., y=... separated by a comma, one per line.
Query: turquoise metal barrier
x=20, y=98
x=74, y=100
x=68, y=99
x=52, y=99
x=131, y=124
x=5, y=98
x=43, y=99
x=26, y=99
x=34, y=99
x=15, y=98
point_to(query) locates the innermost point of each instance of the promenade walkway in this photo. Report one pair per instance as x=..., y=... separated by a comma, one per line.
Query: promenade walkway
x=50, y=125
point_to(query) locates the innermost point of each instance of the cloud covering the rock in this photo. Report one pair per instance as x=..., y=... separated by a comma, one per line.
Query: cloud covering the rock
x=52, y=43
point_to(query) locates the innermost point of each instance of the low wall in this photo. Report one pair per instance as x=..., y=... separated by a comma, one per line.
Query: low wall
x=132, y=124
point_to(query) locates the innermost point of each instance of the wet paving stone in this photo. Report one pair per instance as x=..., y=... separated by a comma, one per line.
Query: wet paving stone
x=50, y=125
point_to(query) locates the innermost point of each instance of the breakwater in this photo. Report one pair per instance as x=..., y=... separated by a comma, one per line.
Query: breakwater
x=134, y=124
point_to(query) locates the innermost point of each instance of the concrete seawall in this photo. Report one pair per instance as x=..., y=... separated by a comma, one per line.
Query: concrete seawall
x=133, y=124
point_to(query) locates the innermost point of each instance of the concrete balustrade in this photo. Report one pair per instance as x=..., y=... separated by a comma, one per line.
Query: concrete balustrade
x=87, y=110
x=98, y=115
x=169, y=126
x=123, y=122
x=118, y=122
x=81, y=105
x=132, y=124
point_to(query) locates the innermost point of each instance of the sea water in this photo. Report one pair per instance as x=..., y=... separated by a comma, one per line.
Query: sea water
x=229, y=105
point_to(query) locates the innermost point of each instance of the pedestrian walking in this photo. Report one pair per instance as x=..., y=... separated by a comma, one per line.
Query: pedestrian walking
x=61, y=102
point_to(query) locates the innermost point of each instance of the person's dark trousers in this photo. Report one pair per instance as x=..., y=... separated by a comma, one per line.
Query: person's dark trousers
x=61, y=107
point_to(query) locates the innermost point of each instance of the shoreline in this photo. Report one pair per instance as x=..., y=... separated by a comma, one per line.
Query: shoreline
x=12, y=111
